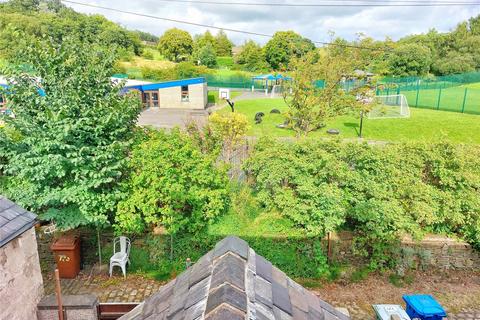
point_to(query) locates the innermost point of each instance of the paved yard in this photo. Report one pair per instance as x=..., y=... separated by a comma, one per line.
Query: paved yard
x=459, y=292
x=170, y=118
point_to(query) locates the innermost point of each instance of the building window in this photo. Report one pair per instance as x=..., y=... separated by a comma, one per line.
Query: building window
x=185, y=95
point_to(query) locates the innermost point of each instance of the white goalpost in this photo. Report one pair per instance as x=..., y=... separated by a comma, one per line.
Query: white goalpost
x=390, y=106
x=277, y=91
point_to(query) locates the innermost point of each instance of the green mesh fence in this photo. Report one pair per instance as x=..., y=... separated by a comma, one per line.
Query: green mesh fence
x=234, y=82
x=457, y=93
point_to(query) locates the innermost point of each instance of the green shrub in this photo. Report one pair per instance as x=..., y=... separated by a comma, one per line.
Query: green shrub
x=379, y=192
x=172, y=184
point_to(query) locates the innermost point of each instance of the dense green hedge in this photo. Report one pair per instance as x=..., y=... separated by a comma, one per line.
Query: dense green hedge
x=380, y=192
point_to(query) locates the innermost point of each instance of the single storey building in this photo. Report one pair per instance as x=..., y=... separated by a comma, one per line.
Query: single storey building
x=177, y=94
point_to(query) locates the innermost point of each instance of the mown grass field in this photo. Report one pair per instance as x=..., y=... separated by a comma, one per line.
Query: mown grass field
x=451, y=99
x=423, y=125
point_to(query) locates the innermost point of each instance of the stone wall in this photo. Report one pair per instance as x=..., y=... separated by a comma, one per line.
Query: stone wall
x=21, y=284
x=445, y=253
x=434, y=251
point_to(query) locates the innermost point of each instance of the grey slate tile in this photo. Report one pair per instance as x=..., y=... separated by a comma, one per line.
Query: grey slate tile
x=281, y=298
x=225, y=313
x=314, y=314
x=231, y=244
x=279, y=277
x=299, y=314
x=263, y=268
x=280, y=314
x=229, y=295
x=196, y=310
x=298, y=299
x=250, y=285
x=197, y=293
x=329, y=316
x=229, y=269
x=264, y=312
x=14, y=220
x=263, y=291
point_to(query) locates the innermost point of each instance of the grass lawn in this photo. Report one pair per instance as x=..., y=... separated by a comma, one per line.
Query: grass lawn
x=423, y=125
x=451, y=99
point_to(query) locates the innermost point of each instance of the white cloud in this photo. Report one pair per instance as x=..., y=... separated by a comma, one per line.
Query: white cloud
x=313, y=23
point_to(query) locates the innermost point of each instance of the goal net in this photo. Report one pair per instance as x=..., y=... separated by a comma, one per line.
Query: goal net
x=277, y=91
x=391, y=106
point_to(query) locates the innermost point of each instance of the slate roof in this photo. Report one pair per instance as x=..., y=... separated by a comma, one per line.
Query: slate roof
x=232, y=282
x=14, y=220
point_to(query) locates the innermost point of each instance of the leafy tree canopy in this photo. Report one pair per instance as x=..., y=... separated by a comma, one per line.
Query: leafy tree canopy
x=283, y=46
x=410, y=60
x=201, y=40
x=65, y=150
x=206, y=56
x=52, y=19
x=176, y=45
x=252, y=57
x=223, y=45
x=310, y=106
x=172, y=185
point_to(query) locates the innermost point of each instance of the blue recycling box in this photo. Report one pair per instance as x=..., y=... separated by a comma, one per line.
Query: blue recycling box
x=424, y=306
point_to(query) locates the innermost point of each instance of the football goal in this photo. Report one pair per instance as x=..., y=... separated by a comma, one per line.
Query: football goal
x=277, y=91
x=390, y=106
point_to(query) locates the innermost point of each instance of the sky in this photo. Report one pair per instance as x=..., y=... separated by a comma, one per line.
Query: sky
x=311, y=22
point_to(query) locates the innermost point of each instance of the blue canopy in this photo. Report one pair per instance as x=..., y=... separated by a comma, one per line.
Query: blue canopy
x=271, y=77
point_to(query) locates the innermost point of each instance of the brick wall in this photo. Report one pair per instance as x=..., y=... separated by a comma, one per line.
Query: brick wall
x=21, y=284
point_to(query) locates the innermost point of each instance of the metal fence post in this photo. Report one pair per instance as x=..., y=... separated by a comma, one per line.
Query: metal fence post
x=418, y=92
x=439, y=96
x=464, y=100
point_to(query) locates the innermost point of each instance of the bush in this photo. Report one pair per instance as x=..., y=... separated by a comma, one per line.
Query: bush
x=172, y=185
x=379, y=192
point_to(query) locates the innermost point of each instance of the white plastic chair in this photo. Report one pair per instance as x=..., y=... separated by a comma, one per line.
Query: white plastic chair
x=120, y=258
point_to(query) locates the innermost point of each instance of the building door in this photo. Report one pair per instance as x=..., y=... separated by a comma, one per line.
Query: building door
x=151, y=99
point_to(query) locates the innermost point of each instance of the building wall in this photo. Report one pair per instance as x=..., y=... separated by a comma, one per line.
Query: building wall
x=21, y=284
x=171, y=98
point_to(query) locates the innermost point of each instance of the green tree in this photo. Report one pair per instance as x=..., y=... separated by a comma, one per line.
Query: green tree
x=410, y=60
x=252, y=57
x=454, y=62
x=201, y=40
x=176, y=45
x=207, y=57
x=223, y=45
x=285, y=45
x=310, y=106
x=72, y=131
x=172, y=185
x=230, y=127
